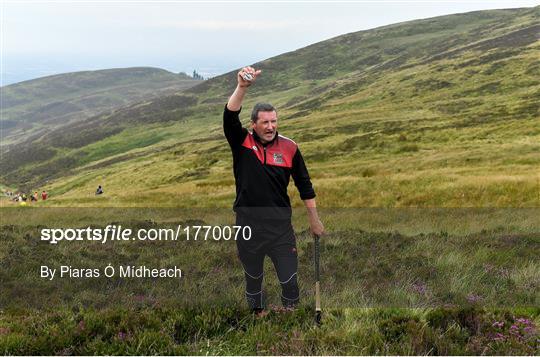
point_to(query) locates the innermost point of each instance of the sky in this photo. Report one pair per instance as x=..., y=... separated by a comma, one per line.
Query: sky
x=40, y=38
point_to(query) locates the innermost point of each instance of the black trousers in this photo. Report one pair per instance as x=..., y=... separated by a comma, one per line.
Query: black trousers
x=276, y=239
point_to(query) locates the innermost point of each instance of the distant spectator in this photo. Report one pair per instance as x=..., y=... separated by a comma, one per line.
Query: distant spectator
x=43, y=195
x=99, y=190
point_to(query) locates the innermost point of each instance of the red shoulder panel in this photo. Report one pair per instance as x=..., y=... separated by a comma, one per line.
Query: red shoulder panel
x=280, y=153
x=254, y=146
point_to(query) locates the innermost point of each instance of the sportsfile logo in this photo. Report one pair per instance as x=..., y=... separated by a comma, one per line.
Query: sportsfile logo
x=119, y=233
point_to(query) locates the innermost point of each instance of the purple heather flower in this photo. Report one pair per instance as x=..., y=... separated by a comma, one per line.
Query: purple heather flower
x=473, y=298
x=498, y=324
x=499, y=337
x=420, y=288
x=122, y=335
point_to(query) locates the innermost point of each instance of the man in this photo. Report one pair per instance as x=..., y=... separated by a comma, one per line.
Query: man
x=263, y=162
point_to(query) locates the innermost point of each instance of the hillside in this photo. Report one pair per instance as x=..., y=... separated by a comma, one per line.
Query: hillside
x=30, y=109
x=435, y=112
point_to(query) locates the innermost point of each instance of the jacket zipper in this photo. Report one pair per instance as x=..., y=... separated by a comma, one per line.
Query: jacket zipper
x=264, y=147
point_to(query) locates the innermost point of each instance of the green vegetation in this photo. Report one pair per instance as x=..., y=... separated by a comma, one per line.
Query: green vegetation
x=151, y=330
x=432, y=291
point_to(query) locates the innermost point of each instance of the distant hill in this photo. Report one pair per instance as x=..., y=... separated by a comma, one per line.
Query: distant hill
x=35, y=107
x=434, y=112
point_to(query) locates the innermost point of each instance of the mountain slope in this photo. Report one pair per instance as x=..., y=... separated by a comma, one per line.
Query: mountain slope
x=434, y=112
x=35, y=107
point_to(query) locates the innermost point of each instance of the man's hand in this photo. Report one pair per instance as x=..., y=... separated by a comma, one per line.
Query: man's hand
x=251, y=72
x=316, y=227
x=235, y=101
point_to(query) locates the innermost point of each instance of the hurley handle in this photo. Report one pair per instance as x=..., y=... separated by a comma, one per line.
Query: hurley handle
x=318, y=312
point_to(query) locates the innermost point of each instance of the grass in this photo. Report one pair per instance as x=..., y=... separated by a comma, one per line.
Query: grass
x=394, y=281
x=231, y=331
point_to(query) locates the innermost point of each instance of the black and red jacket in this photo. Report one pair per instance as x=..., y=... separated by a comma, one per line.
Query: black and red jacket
x=262, y=171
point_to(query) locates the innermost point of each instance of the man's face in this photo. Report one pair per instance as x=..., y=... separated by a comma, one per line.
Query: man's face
x=265, y=126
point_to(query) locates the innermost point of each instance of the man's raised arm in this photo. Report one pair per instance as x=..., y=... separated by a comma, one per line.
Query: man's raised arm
x=234, y=132
x=235, y=101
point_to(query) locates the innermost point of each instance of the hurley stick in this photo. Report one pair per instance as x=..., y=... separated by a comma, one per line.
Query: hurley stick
x=318, y=312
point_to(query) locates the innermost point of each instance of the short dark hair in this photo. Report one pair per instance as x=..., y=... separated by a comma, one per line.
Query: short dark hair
x=261, y=107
